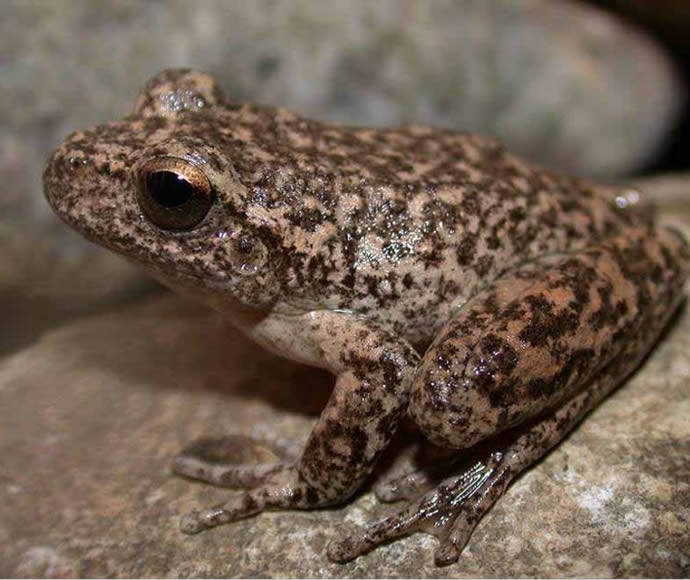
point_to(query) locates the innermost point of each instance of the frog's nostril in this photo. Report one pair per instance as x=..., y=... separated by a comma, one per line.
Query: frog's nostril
x=61, y=167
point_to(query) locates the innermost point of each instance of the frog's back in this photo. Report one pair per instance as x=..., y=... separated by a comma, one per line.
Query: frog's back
x=404, y=225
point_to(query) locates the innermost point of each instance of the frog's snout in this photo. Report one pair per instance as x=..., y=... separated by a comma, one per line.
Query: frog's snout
x=62, y=171
x=83, y=187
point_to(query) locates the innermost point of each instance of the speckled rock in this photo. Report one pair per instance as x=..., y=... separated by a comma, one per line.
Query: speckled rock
x=556, y=80
x=91, y=414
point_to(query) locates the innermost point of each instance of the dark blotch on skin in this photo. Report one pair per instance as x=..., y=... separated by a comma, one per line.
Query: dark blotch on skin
x=545, y=323
x=502, y=354
x=465, y=251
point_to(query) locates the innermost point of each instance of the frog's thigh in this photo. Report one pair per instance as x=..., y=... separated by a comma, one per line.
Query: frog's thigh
x=542, y=332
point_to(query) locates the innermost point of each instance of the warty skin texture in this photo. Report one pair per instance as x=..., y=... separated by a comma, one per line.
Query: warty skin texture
x=435, y=274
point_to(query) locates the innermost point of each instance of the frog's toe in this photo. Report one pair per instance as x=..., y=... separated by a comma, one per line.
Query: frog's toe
x=233, y=476
x=447, y=553
x=191, y=524
x=449, y=511
x=282, y=488
x=234, y=461
x=402, y=524
x=238, y=507
x=407, y=521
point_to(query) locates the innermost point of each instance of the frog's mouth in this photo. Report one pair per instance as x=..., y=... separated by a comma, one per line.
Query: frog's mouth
x=75, y=203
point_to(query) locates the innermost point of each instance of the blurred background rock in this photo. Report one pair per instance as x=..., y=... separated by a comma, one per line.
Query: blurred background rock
x=589, y=88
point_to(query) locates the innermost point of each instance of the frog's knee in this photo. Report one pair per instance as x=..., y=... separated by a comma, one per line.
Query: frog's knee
x=460, y=396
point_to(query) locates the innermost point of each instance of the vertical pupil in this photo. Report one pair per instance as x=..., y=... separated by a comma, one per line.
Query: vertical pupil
x=169, y=189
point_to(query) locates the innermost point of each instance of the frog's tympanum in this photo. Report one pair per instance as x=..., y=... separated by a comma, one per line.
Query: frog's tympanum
x=437, y=276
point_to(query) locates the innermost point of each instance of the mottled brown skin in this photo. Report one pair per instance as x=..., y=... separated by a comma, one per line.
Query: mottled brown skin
x=432, y=272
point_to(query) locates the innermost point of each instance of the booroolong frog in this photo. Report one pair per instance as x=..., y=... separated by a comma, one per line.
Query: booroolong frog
x=437, y=276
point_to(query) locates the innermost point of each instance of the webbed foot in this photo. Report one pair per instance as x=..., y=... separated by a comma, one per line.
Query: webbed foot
x=450, y=511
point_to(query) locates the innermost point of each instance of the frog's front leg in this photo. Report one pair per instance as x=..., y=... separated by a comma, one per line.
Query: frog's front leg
x=526, y=359
x=374, y=371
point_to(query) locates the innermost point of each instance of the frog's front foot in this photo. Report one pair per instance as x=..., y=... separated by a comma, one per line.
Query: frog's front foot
x=267, y=474
x=236, y=461
x=279, y=486
x=236, y=509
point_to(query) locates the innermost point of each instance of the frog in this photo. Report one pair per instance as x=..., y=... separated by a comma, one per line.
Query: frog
x=444, y=281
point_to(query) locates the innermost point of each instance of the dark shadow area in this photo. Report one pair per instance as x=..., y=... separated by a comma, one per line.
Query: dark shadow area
x=668, y=23
x=25, y=318
x=290, y=386
x=174, y=343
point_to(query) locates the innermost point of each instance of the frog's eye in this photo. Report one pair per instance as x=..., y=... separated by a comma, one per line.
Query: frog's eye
x=173, y=193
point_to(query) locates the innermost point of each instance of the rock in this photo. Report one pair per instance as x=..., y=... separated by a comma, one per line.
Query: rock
x=44, y=288
x=559, y=82
x=93, y=412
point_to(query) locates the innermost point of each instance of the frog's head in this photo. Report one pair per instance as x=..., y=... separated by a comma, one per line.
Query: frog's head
x=158, y=188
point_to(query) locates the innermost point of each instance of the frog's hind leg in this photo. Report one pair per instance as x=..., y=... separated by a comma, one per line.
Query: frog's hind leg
x=452, y=509
x=518, y=367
